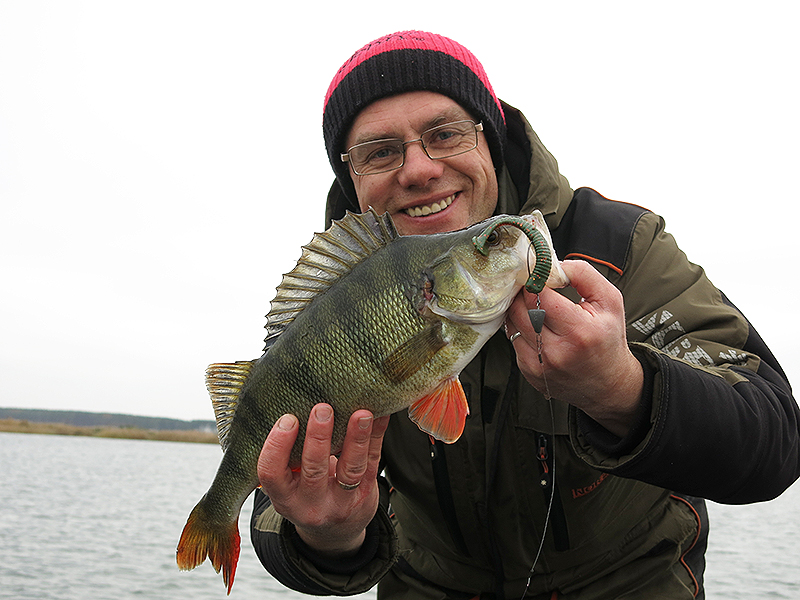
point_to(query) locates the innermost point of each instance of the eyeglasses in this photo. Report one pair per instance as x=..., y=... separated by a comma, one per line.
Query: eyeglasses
x=443, y=141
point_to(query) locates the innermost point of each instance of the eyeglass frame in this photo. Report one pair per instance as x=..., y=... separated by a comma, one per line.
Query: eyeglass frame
x=345, y=156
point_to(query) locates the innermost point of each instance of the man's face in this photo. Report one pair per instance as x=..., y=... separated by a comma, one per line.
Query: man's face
x=455, y=192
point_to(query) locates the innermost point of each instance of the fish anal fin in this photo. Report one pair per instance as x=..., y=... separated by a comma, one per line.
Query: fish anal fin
x=442, y=413
x=410, y=356
x=224, y=382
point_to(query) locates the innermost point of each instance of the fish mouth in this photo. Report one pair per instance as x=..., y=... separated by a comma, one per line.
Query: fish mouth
x=488, y=299
x=481, y=312
x=430, y=209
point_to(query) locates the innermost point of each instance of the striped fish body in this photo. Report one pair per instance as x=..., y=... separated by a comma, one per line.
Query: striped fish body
x=369, y=343
x=366, y=320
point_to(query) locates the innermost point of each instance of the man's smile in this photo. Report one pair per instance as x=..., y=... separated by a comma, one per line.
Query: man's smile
x=429, y=209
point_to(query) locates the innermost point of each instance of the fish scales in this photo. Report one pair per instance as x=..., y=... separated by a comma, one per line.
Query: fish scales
x=367, y=319
x=335, y=350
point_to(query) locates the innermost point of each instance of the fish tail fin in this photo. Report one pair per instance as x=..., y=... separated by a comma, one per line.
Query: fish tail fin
x=204, y=537
x=443, y=412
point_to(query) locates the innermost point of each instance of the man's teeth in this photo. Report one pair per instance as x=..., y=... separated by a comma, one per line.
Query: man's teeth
x=422, y=211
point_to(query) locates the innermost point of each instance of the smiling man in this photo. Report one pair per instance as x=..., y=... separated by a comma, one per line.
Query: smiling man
x=588, y=451
x=422, y=193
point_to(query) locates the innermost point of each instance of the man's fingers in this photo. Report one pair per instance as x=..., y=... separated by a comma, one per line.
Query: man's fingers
x=314, y=469
x=591, y=285
x=379, y=427
x=353, y=461
x=562, y=315
x=273, y=461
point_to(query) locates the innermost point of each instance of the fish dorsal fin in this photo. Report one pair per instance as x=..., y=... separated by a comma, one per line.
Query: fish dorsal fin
x=443, y=412
x=224, y=382
x=328, y=257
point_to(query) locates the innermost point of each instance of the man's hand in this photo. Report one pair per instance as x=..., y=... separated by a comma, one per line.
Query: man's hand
x=328, y=517
x=587, y=361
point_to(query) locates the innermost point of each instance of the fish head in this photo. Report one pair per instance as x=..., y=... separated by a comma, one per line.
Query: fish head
x=487, y=264
x=466, y=285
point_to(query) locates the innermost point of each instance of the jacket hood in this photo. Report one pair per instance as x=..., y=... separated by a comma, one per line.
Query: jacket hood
x=528, y=180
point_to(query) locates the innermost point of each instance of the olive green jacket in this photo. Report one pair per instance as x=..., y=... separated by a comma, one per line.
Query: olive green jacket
x=718, y=421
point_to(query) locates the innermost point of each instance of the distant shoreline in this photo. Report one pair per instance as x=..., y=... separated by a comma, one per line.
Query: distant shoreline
x=106, y=431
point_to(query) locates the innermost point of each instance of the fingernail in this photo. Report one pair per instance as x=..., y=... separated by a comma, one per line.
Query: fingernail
x=286, y=422
x=365, y=422
x=323, y=413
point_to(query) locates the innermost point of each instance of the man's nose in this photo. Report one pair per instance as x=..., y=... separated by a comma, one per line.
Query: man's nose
x=418, y=168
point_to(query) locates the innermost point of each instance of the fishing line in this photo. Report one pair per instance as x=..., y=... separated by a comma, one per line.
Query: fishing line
x=531, y=250
x=539, y=321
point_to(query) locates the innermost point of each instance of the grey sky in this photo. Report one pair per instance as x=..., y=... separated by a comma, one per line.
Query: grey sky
x=161, y=163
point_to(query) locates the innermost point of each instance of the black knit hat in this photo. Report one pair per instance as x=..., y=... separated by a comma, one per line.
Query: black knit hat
x=404, y=62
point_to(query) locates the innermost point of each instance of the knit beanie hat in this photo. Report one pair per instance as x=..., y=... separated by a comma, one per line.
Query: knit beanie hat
x=403, y=62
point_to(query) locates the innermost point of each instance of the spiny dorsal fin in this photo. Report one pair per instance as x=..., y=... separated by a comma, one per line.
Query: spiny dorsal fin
x=329, y=256
x=224, y=382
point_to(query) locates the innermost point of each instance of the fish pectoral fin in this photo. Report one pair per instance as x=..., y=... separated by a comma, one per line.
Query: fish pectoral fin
x=410, y=356
x=224, y=382
x=442, y=413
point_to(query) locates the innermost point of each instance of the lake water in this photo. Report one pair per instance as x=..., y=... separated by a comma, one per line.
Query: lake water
x=95, y=519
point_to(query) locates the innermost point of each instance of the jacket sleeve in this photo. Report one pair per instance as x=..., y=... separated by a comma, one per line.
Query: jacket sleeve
x=295, y=565
x=718, y=419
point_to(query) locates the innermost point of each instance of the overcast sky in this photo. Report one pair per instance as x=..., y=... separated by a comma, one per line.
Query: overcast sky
x=161, y=163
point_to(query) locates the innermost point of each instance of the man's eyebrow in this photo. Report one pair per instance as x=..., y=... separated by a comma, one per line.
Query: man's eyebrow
x=447, y=116
x=363, y=138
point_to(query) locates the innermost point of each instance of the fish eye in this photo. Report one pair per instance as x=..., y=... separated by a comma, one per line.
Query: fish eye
x=493, y=239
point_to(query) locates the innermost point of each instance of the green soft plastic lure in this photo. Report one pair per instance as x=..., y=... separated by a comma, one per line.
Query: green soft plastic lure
x=544, y=261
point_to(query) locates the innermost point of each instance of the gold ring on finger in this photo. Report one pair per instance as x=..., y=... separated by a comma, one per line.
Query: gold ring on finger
x=348, y=486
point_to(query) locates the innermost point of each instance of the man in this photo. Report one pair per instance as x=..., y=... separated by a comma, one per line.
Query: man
x=588, y=449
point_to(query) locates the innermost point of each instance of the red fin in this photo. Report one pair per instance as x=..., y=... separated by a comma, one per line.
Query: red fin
x=203, y=538
x=443, y=413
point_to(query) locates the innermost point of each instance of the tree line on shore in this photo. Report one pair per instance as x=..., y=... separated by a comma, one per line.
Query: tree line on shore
x=109, y=425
